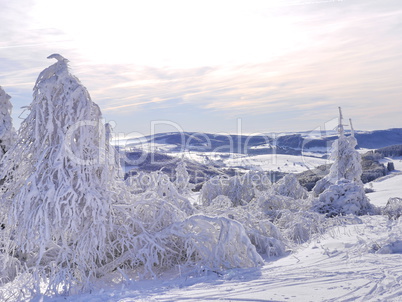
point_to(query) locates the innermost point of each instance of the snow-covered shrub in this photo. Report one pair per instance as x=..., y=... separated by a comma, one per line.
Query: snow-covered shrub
x=156, y=213
x=140, y=181
x=212, y=243
x=298, y=227
x=262, y=233
x=393, y=209
x=270, y=202
x=213, y=188
x=220, y=205
x=342, y=198
x=159, y=183
x=290, y=186
x=240, y=189
x=7, y=132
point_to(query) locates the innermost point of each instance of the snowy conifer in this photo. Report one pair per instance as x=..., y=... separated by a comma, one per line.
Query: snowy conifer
x=347, y=161
x=182, y=181
x=7, y=132
x=61, y=184
x=290, y=186
x=341, y=192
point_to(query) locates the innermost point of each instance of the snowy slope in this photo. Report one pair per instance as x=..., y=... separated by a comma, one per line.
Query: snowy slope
x=355, y=262
x=280, y=162
x=387, y=186
x=347, y=264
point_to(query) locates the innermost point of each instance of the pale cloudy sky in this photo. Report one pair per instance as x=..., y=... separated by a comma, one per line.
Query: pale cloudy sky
x=279, y=65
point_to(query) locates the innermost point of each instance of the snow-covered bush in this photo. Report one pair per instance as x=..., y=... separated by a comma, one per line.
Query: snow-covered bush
x=342, y=198
x=212, y=243
x=262, y=233
x=213, y=188
x=298, y=227
x=270, y=202
x=393, y=209
x=159, y=183
x=240, y=189
x=290, y=186
x=220, y=205
x=7, y=132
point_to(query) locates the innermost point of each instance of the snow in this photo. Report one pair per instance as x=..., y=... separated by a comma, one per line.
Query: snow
x=277, y=162
x=388, y=186
x=354, y=262
x=385, y=188
x=245, y=239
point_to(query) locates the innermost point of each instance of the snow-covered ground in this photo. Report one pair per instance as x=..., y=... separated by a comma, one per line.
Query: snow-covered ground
x=387, y=186
x=278, y=162
x=265, y=162
x=359, y=261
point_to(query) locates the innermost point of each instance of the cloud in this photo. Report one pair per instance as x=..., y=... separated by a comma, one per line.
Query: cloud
x=256, y=60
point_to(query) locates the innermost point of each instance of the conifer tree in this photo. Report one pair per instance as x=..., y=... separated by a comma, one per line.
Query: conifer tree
x=346, y=160
x=7, y=132
x=61, y=184
x=182, y=180
x=341, y=192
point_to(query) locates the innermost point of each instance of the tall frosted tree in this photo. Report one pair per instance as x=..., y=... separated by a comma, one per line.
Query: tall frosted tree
x=346, y=160
x=60, y=184
x=341, y=191
x=182, y=180
x=7, y=132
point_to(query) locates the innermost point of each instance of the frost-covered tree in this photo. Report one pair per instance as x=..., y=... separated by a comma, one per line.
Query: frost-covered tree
x=182, y=179
x=346, y=161
x=60, y=185
x=7, y=132
x=341, y=192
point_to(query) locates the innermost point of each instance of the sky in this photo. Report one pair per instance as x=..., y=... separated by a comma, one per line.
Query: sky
x=213, y=66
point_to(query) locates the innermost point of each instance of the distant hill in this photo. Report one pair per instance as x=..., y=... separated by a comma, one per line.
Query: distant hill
x=292, y=143
x=156, y=152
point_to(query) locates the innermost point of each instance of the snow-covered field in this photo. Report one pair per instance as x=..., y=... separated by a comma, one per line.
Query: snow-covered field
x=265, y=162
x=359, y=261
x=387, y=186
x=278, y=162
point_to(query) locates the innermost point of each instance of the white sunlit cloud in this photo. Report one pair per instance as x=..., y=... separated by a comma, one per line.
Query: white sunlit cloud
x=236, y=58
